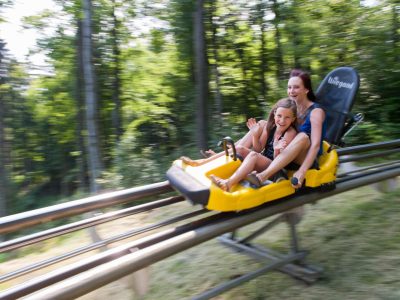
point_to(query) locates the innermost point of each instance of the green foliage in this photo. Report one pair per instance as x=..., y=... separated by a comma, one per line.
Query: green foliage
x=157, y=42
x=137, y=166
x=365, y=133
x=147, y=48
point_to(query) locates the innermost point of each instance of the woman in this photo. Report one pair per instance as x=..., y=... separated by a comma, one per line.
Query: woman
x=307, y=145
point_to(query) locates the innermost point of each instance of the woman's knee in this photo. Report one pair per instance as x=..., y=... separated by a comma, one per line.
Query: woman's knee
x=242, y=150
x=251, y=156
x=239, y=149
x=302, y=139
x=300, y=143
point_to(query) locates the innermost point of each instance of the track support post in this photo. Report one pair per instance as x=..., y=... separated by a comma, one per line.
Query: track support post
x=291, y=263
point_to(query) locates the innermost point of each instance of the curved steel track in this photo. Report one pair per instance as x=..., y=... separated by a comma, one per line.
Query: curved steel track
x=181, y=232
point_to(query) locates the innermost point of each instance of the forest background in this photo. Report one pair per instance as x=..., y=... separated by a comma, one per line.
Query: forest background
x=119, y=104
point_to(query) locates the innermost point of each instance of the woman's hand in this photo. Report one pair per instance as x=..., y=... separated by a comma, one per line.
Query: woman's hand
x=300, y=175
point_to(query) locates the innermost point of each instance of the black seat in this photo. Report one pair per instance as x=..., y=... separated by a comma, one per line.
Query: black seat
x=336, y=94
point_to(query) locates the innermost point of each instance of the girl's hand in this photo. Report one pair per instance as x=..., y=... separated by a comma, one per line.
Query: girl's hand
x=254, y=127
x=251, y=123
x=279, y=146
x=263, y=123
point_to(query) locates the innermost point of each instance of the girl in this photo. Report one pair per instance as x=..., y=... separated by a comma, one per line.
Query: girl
x=278, y=132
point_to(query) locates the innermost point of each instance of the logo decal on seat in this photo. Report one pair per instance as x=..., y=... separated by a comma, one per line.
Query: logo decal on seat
x=336, y=81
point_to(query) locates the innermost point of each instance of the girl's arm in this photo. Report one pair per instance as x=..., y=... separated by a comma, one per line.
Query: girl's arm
x=260, y=140
x=286, y=139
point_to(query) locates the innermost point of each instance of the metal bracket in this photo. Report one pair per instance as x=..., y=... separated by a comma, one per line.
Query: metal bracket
x=291, y=263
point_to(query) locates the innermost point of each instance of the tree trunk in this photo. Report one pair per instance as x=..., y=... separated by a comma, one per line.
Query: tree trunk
x=214, y=41
x=396, y=30
x=80, y=118
x=93, y=150
x=3, y=175
x=296, y=36
x=243, y=67
x=280, y=72
x=116, y=114
x=263, y=50
x=201, y=78
x=4, y=149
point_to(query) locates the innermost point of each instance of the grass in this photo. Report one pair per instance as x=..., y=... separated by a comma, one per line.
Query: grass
x=354, y=237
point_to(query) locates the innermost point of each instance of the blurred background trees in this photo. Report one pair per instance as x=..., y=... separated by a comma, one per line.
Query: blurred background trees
x=135, y=84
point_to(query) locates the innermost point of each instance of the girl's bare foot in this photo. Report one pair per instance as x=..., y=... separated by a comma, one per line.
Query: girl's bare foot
x=255, y=180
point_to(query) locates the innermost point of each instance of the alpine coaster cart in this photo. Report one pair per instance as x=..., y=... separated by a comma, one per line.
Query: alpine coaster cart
x=336, y=94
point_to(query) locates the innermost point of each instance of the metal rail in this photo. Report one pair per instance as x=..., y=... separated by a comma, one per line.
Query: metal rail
x=110, y=271
x=101, y=258
x=361, y=169
x=386, y=153
x=107, y=217
x=367, y=171
x=41, y=215
x=99, y=244
x=369, y=147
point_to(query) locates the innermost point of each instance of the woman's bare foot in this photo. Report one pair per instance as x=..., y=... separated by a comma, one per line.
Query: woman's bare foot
x=191, y=162
x=223, y=184
x=208, y=153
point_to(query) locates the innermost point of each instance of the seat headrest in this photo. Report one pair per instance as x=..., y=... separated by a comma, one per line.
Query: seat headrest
x=336, y=94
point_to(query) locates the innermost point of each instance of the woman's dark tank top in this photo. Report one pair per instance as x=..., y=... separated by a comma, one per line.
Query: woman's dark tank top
x=306, y=126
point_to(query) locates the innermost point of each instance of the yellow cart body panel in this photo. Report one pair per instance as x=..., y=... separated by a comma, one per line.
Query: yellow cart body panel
x=195, y=183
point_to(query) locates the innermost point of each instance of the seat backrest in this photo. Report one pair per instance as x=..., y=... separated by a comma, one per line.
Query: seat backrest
x=336, y=94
